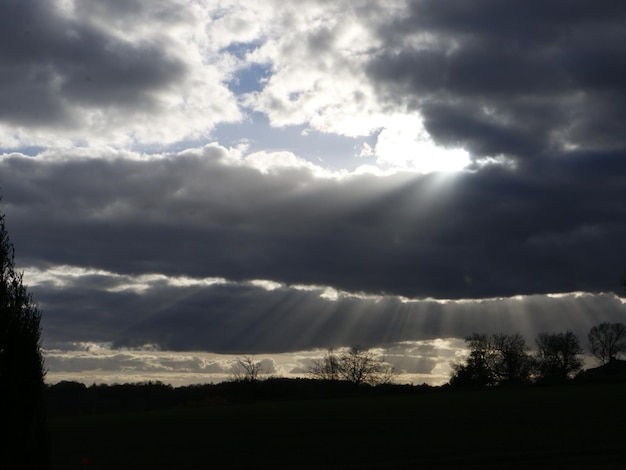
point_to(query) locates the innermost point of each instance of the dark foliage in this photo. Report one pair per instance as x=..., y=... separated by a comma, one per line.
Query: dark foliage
x=73, y=398
x=607, y=341
x=611, y=372
x=558, y=356
x=21, y=368
x=494, y=360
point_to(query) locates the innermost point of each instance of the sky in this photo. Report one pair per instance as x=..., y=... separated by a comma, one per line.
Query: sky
x=188, y=181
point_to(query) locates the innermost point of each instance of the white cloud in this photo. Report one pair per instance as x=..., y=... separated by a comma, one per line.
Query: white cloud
x=59, y=277
x=318, y=59
x=157, y=73
x=267, y=162
x=121, y=73
x=317, y=53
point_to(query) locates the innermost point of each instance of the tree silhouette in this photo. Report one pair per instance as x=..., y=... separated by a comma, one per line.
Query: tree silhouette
x=246, y=370
x=513, y=363
x=21, y=368
x=477, y=369
x=607, y=340
x=557, y=355
x=357, y=365
x=495, y=359
x=327, y=367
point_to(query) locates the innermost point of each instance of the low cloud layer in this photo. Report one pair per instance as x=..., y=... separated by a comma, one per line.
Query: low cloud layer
x=416, y=362
x=262, y=317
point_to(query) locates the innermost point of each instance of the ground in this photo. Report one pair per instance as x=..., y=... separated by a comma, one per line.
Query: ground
x=539, y=427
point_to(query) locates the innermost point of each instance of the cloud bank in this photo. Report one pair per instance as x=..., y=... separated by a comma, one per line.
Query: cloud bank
x=210, y=213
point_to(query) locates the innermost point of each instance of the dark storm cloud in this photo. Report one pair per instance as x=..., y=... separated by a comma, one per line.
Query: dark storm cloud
x=493, y=232
x=54, y=64
x=517, y=78
x=245, y=319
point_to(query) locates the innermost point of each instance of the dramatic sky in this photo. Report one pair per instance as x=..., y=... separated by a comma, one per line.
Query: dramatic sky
x=188, y=181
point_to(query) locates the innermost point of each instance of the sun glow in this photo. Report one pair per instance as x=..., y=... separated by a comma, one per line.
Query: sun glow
x=405, y=143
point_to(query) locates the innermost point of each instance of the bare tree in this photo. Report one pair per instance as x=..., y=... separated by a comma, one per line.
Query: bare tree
x=357, y=365
x=607, y=340
x=246, y=370
x=360, y=366
x=558, y=355
x=327, y=367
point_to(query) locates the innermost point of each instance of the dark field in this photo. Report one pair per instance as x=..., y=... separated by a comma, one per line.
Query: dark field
x=569, y=427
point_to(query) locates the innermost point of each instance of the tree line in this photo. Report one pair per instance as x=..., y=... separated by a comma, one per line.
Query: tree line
x=493, y=359
x=356, y=365
x=506, y=359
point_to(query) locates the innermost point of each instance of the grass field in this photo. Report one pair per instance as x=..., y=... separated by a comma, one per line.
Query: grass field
x=534, y=428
